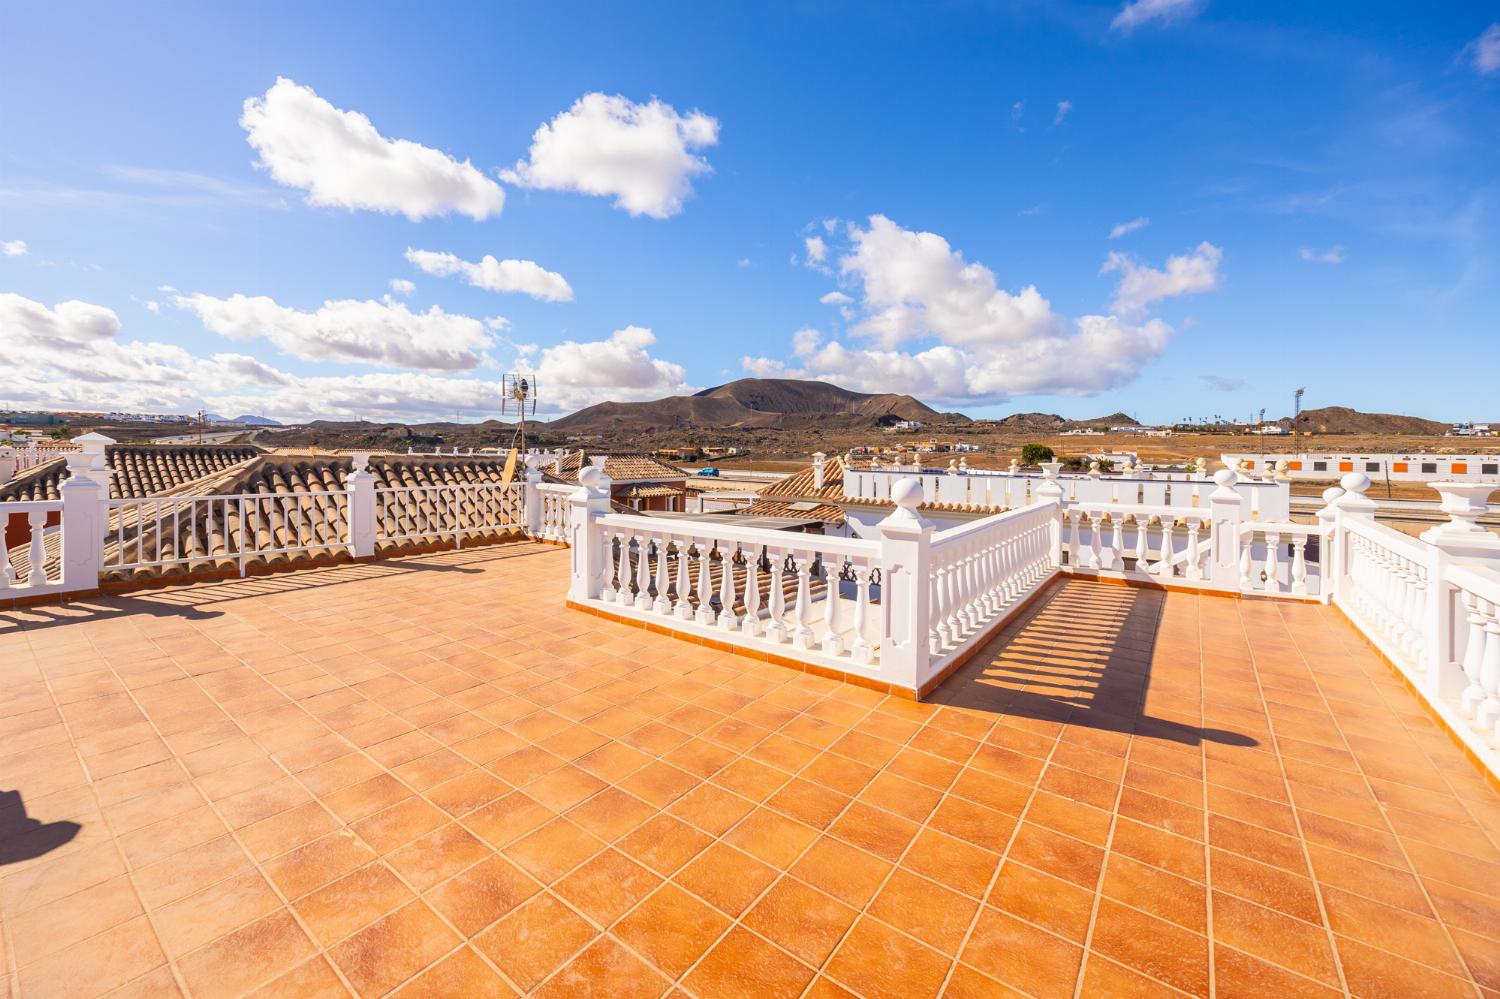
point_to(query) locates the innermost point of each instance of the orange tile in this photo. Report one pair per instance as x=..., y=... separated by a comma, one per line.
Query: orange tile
x=726, y=878
x=437, y=856
x=387, y=953
x=1236, y=973
x=664, y=844
x=206, y=915
x=460, y=975
x=507, y=819
x=351, y=903
x=1152, y=946
x=604, y=969
x=1054, y=904
x=607, y=886
x=553, y=850
x=318, y=863
x=394, y=827
x=802, y=920
x=671, y=928
x=1273, y=937
x=959, y=865
x=462, y=794
x=1051, y=965
x=94, y=966
x=937, y=916
x=59, y=924
x=250, y=956
x=745, y=966
x=535, y=940
x=876, y=961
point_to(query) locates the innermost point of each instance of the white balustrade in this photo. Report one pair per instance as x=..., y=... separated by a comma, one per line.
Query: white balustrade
x=555, y=502
x=38, y=552
x=1273, y=558
x=448, y=512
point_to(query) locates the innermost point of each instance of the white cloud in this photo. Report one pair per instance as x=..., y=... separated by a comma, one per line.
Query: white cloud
x=152, y=305
x=401, y=286
x=525, y=276
x=971, y=340
x=1017, y=110
x=1222, y=383
x=1485, y=50
x=915, y=285
x=340, y=159
x=1332, y=255
x=386, y=333
x=744, y=262
x=641, y=154
x=1139, y=12
x=817, y=250
x=571, y=375
x=1188, y=274
x=72, y=356
x=1126, y=228
x=836, y=298
x=14, y=248
x=1063, y=109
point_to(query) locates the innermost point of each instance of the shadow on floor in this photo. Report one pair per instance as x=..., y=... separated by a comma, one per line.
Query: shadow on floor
x=24, y=838
x=1082, y=655
x=193, y=600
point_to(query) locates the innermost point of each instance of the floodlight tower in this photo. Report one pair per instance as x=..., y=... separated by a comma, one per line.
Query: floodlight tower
x=1297, y=412
x=518, y=391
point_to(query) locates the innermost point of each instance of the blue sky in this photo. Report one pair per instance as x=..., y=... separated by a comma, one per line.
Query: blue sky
x=1313, y=187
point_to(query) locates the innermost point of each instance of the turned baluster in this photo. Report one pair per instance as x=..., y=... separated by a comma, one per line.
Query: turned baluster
x=7, y=571
x=1072, y=519
x=642, y=573
x=1273, y=562
x=776, y=624
x=1164, y=564
x=750, y=624
x=1474, y=643
x=937, y=591
x=1247, y=560
x=728, y=620
x=1142, y=542
x=1194, y=552
x=683, y=610
x=1117, y=541
x=1416, y=613
x=833, y=642
x=802, y=635
x=662, y=604
x=953, y=601
x=1299, y=564
x=1489, y=670
x=705, y=614
x=37, y=519
x=861, y=650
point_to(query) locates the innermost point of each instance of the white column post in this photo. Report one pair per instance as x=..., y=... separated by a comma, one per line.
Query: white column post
x=83, y=529
x=589, y=544
x=1328, y=545
x=1224, y=530
x=531, y=497
x=1050, y=491
x=1353, y=504
x=905, y=567
x=361, y=488
x=7, y=463
x=1460, y=541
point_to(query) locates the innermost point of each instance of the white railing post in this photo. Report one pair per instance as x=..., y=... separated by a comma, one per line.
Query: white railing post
x=589, y=543
x=360, y=485
x=531, y=499
x=83, y=527
x=1352, y=503
x=7, y=463
x=1050, y=491
x=1327, y=545
x=1224, y=530
x=905, y=591
x=1460, y=541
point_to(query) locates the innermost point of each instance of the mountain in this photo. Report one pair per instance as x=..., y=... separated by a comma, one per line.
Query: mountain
x=1343, y=420
x=1052, y=423
x=771, y=403
x=257, y=421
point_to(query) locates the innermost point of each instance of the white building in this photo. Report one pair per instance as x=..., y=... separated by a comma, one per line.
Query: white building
x=1417, y=467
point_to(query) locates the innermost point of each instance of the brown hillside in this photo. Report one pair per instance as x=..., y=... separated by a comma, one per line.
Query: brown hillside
x=770, y=403
x=1343, y=420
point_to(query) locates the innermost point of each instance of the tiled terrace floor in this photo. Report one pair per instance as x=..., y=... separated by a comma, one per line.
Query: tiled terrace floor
x=427, y=776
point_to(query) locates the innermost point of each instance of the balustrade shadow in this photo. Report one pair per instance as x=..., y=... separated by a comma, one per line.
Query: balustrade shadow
x=194, y=601
x=25, y=838
x=1082, y=655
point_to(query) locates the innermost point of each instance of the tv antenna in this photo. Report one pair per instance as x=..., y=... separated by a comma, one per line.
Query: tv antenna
x=519, y=392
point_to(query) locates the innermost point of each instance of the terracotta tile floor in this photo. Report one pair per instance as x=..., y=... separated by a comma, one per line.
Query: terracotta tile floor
x=427, y=777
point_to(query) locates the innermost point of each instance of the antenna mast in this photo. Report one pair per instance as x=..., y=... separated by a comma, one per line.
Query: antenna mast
x=519, y=392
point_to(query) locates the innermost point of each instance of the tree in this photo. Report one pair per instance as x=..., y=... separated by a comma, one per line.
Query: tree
x=1035, y=454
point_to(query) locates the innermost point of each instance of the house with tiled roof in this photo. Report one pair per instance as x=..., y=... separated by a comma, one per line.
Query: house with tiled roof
x=640, y=481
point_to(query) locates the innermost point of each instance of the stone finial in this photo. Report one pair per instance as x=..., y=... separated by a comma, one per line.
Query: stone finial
x=952, y=466
x=1282, y=468
x=819, y=462
x=1464, y=503
x=361, y=460
x=1051, y=469
x=907, y=495
x=1094, y=469
x=963, y=464
x=1331, y=493
x=589, y=477
x=1225, y=477
x=1202, y=466
x=1015, y=467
